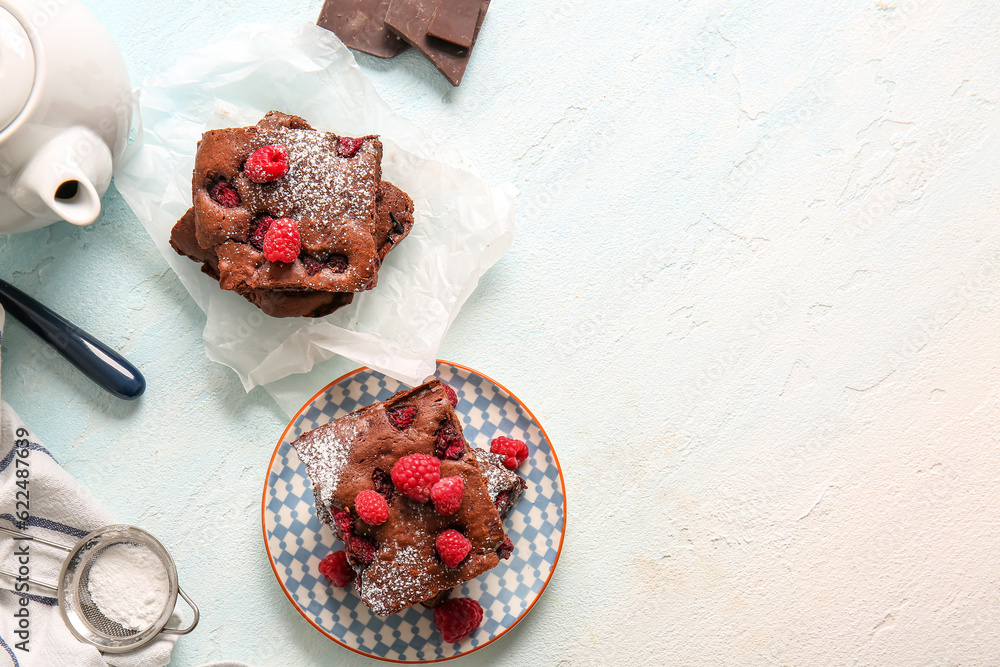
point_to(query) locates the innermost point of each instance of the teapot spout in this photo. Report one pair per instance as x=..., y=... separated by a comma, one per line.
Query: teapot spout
x=66, y=178
x=75, y=200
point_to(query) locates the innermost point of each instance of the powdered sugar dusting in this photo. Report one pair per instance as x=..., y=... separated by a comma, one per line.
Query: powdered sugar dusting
x=385, y=582
x=325, y=452
x=497, y=477
x=321, y=188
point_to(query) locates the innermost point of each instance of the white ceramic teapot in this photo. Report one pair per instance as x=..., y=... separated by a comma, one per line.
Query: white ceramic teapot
x=65, y=113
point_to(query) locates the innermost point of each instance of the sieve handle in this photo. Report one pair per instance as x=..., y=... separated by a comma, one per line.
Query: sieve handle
x=33, y=582
x=16, y=534
x=194, y=623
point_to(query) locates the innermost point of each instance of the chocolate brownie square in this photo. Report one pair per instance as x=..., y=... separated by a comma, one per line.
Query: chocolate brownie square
x=397, y=562
x=330, y=191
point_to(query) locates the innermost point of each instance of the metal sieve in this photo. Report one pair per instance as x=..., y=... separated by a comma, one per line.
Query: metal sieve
x=82, y=615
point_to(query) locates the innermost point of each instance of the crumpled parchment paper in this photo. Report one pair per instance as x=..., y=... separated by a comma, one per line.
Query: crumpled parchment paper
x=462, y=224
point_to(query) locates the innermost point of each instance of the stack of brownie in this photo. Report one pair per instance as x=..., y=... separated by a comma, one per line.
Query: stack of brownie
x=342, y=219
x=397, y=561
x=445, y=31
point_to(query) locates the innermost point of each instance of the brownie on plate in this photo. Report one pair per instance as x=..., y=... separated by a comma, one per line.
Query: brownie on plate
x=397, y=562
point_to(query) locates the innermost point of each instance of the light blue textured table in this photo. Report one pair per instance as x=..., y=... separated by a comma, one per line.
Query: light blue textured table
x=752, y=299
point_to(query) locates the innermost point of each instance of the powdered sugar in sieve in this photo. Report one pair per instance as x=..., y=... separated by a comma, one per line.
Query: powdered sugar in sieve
x=129, y=585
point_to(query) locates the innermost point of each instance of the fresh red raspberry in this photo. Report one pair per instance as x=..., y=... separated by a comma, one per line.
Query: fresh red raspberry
x=383, y=484
x=457, y=618
x=514, y=451
x=452, y=396
x=414, y=475
x=267, y=164
x=281, y=241
x=402, y=418
x=453, y=547
x=348, y=146
x=449, y=443
x=371, y=507
x=259, y=231
x=506, y=548
x=224, y=194
x=336, y=569
x=447, y=495
x=361, y=550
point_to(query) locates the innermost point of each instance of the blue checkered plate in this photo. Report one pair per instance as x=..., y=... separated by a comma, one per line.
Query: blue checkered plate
x=296, y=541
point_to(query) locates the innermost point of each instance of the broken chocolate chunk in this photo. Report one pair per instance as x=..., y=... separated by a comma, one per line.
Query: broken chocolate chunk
x=456, y=21
x=410, y=19
x=360, y=24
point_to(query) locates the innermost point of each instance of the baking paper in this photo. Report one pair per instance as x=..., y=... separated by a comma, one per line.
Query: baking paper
x=462, y=225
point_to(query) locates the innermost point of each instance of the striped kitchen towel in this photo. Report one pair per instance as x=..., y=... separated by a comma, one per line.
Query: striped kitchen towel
x=41, y=499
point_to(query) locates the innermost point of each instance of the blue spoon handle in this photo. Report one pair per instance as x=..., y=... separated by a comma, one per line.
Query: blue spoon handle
x=100, y=363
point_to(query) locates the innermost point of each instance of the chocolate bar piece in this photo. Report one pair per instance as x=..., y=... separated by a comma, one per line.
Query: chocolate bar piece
x=360, y=24
x=456, y=21
x=411, y=19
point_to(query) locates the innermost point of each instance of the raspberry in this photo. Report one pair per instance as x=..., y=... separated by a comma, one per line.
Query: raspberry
x=449, y=443
x=453, y=547
x=501, y=499
x=414, y=475
x=457, y=618
x=348, y=146
x=267, y=164
x=361, y=550
x=383, y=484
x=371, y=507
x=506, y=549
x=223, y=194
x=336, y=569
x=259, y=231
x=281, y=241
x=447, y=495
x=312, y=265
x=338, y=263
x=514, y=451
x=344, y=521
x=401, y=418
x=452, y=396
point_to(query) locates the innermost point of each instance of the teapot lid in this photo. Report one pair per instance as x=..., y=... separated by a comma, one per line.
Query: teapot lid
x=17, y=68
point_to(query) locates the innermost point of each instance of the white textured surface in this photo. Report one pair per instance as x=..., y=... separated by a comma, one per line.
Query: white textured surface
x=753, y=300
